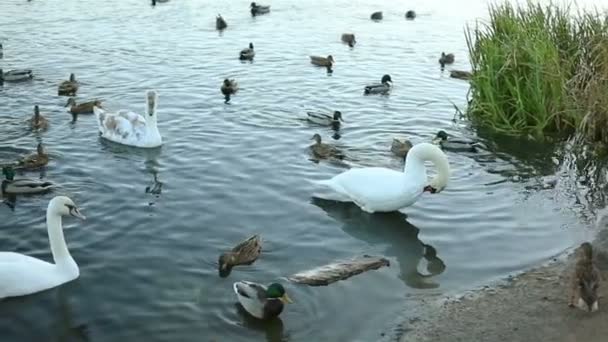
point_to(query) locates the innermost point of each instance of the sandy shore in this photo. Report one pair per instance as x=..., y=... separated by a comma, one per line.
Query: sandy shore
x=530, y=307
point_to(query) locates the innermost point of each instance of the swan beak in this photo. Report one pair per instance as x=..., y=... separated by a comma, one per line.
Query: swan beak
x=76, y=213
x=285, y=299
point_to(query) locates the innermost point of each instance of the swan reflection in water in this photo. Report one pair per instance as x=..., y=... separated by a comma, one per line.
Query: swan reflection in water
x=394, y=231
x=273, y=328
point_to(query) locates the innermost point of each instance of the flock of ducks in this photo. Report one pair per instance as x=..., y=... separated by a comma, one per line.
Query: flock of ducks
x=373, y=189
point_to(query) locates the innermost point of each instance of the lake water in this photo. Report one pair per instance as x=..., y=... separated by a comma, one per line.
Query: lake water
x=148, y=262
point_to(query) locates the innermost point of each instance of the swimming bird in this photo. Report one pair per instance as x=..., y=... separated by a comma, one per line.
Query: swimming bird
x=82, y=108
x=339, y=270
x=325, y=119
x=220, y=23
x=410, y=15
x=260, y=301
x=22, y=275
x=16, y=75
x=461, y=74
x=248, y=53
x=38, y=122
x=349, y=38
x=385, y=85
x=10, y=185
x=327, y=62
x=68, y=88
x=324, y=151
x=128, y=128
x=259, y=9
x=378, y=189
x=446, y=59
x=376, y=16
x=401, y=148
x=245, y=253
x=35, y=160
x=455, y=145
x=229, y=87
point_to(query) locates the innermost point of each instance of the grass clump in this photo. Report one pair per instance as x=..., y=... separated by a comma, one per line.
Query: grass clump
x=540, y=70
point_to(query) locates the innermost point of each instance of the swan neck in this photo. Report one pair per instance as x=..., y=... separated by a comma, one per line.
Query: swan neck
x=151, y=110
x=61, y=255
x=427, y=152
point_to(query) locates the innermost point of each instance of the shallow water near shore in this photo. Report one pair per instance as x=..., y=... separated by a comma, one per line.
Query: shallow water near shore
x=148, y=261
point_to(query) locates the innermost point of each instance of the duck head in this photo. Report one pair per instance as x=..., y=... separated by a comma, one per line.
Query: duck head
x=8, y=173
x=316, y=138
x=338, y=116
x=72, y=78
x=441, y=136
x=386, y=79
x=225, y=263
x=71, y=102
x=253, y=5
x=330, y=58
x=36, y=112
x=251, y=46
x=277, y=291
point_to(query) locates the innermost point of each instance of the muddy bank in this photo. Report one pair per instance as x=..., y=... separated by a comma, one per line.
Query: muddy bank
x=530, y=307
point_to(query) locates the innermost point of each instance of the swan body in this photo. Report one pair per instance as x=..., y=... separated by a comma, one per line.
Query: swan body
x=260, y=301
x=128, y=128
x=16, y=75
x=22, y=275
x=383, y=87
x=248, y=53
x=378, y=189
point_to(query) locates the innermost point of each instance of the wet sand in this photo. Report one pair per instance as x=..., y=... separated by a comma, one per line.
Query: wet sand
x=530, y=307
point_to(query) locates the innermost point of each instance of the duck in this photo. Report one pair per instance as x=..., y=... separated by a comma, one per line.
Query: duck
x=446, y=59
x=385, y=85
x=455, y=145
x=401, y=148
x=83, y=108
x=327, y=62
x=585, y=280
x=22, y=275
x=220, y=23
x=131, y=129
x=349, y=38
x=325, y=119
x=248, y=53
x=260, y=301
x=410, y=15
x=379, y=189
x=16, y=75
x=35, y=160
x=68, y=88
x=376, y=16
x=159, y=1
x=461, y=74
x=339, y=270
x=259, y=9
x=38, y=122
x=229, y=87
x=324, y=151
x=245, y=253
x=10, y=185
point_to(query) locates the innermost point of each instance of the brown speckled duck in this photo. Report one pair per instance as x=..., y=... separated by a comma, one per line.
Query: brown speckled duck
x=35, y=160
x=38, y=122
x=245, y=253
x=68, y=88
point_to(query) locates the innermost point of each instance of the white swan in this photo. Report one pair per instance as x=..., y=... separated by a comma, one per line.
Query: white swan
x=378, y=189
x=22, y=275
x=128, y=128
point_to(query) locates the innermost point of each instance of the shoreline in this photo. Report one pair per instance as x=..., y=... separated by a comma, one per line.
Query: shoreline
x=532, y=306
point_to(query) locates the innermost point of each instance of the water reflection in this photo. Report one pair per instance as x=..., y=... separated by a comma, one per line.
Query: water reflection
x=273, y=328
x=393, y=231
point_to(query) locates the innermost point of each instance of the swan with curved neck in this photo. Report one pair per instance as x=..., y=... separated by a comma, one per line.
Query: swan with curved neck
x=23, y=275
x=378, y=189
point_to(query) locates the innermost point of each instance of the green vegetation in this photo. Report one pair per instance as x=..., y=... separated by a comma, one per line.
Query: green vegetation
x=540, y=70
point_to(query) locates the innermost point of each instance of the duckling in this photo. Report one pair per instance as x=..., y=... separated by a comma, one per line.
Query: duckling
x=260, y=301
x=400, y=148
x=247, y=54
x=68, y=88
x=38, y=122
x=460, y=74
x=83, y=108
x=410, y=15
x=34, y=161
x=383, y=87
x=585, y=280
x=259, y=9
x=376, y=16
x=325, y=119
x=349, y=38
x=245, y=253
x=16, y=75
x=229, y=87
x=324, y=151
x=220, y=23
x=446, y=59
x=10, y=185
x=455, y=145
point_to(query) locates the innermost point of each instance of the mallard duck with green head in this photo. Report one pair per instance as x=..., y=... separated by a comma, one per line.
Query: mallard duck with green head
x=455, y=145
x=325, y=119
x=245, y=253
x=10, y=185
x=69, y=87
x=16, y=75
x=260, y=301
x=385, y=85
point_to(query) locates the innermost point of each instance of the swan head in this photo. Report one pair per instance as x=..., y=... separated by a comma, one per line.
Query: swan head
x=64, y=206
x=338, y=116
x=386, y=79
x=316, y=138
x=151, y=98
x=422, y=152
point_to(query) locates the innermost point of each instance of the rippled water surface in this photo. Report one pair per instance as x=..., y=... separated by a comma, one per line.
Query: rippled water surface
x=147, y=261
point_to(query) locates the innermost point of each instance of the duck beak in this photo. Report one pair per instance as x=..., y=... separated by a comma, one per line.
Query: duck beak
x=76, y=213
x=285, y=299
